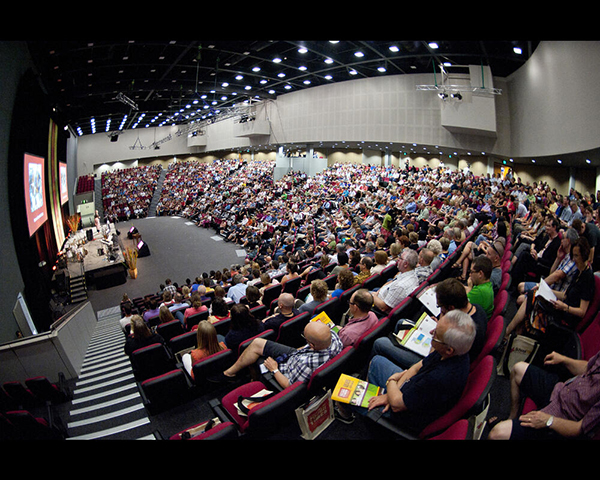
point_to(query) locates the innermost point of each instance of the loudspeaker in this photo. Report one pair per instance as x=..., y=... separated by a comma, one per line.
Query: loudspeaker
x=143, y=250
x=89, y=234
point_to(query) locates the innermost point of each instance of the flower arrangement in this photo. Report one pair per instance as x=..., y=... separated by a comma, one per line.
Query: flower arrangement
x=131, y=255
x=73, y=221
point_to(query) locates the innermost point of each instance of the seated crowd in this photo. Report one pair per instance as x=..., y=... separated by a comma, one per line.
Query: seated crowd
x=127, y=193
x=353, y=222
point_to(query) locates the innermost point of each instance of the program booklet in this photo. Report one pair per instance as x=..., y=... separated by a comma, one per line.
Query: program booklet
x=354, y=391
x=418, y=339
x=323, y=317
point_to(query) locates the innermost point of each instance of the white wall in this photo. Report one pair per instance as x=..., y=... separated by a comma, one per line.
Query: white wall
x=555, y=100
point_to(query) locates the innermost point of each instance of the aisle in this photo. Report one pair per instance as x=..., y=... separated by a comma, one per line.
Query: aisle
x=106, y=401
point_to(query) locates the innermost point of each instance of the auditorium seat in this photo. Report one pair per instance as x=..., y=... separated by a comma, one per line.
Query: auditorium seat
x=47, y=391
x=313, y=275
x=150, y=361
x=267, y=334
x=303, y=292
x=290, y=332
x=473, y=401
x=220, y=431
x=259, y=312
x=461, y=430
x=330, y=307
x=267, y=416
x=271, y=293
x=171, y=329
x=23, y=425
x=364, y=343
x=345, y=297
x=164, y=391
x=211, y=366
x=292, y=286
x=593, y=307
x=183, y=342
x=331, y=281
x=327, y=375
x=195, y=319
x=20, y=394
x=373, y=282
x=500, y=303
x=493, y=339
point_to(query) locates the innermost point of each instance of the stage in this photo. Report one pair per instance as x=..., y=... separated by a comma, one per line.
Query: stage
x=97, y=255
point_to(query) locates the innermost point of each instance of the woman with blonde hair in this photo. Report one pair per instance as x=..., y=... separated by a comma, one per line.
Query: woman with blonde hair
x=207, y=343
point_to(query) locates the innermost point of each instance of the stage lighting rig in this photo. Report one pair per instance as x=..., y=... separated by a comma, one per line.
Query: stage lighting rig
x=126, y=100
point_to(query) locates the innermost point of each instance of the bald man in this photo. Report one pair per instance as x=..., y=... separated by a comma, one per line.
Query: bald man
x=289, y=364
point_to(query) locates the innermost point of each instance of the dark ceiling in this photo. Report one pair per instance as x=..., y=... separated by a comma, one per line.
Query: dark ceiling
x=152, y=81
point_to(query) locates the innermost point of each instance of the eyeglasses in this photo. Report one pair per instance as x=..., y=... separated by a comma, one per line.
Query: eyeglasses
x=433, y=339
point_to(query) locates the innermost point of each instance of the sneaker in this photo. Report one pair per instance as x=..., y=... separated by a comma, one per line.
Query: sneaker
x=346, y=418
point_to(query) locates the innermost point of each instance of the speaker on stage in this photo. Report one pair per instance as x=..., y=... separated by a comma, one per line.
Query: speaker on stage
x=142, y=248
x=89, y=234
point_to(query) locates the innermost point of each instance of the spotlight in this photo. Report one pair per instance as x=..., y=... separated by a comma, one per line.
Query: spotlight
x=443, y=95
x=457, y=96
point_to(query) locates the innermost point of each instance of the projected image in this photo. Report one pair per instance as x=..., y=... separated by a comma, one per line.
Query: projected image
x=64, y=191
x=36, y=193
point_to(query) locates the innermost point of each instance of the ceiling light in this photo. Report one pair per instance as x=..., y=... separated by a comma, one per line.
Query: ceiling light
x=306, y=82
x=382, y=69
x=433, y=45
x=352, y=72
x=359, y=54
x=302, y=50
x=303, y=68
x=328, y=77
x=394, y=48
x=517, y=50
x=281, y=75
x=328, y=60
x=256, y=69
x=277, y=60
x=239, y=77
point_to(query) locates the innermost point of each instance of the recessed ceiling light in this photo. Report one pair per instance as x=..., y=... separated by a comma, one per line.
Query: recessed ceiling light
x=394, y=48
x=302, y=50
x=328, y=60
x=277, y=60
x=359, y=54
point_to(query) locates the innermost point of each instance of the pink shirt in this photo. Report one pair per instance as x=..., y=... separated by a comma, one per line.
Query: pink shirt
x=355, y=328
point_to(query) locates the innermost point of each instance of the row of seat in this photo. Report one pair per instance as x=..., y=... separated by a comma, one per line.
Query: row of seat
x=17, y=401
x=269, y=414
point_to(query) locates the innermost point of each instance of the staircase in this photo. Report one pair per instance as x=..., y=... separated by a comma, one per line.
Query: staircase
x=106, y=402
x=77, y=289
x=157, y=193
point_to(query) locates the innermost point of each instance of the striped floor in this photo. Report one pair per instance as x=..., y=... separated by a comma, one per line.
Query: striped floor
x=106, y=401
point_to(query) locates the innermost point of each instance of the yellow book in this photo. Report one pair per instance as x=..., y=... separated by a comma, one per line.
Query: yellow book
x=354, y=391
x=323, y=317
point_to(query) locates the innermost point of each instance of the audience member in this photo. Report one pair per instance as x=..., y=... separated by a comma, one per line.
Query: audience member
x=415, y=397
x=140, y=336
x=207, y=343
x=479, y=287
x=285, y=310
x=565, y=409
x=318, y=294
x=396, y=290
x=243, y=326
x=290, y=365
x=361, y=318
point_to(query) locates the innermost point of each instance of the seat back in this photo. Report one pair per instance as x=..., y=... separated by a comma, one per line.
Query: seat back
x=268, y=415
x=303, y=292
x=330, y=307
x=221, y=431
x=364, y=343
x=493, y=338
x=290, y=331
x=212, y=365
x=182, y=342
x=271, y=293
x=500, y=303
x=166, y=390
x=43, y=389
x=27, y=427
x=222, y=326
x=195, y=319
x=20, y=394
x=267, y=334
x=170, y=329
x=312, y=275
x=374, y=281
x=458, y=431
x=589, y=339
x=331, y=281
x=151, y=361
x=292, y=286
x=593, y=307
x=472, y=400
x=259, y=312
x=345, y=297
x=328, y=374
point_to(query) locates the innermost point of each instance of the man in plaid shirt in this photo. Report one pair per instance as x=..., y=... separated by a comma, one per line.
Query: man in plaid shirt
x=289, y=364
x=170, y=287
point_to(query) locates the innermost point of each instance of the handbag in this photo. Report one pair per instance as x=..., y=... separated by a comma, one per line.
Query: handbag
x=245, y=404
x=519, y=348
